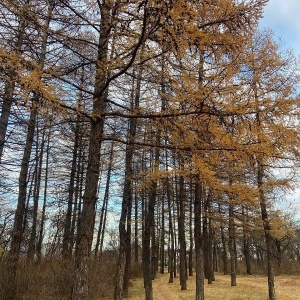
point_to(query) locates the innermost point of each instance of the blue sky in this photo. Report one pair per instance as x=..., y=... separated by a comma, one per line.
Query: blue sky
x=283, y=17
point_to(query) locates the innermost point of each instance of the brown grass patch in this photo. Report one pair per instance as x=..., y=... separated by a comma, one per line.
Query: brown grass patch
x=248, y=288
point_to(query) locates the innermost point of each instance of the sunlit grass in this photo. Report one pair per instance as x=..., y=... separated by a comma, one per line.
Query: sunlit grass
x=248, y=287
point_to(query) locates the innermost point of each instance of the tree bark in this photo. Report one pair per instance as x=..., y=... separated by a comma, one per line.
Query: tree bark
x=66, y=249
x=149, y=224
x=199, y=242
x=36, y=195
x=85, y=231
x=231, y=243
x=181, y=234
x=267, y=229
x=102, y=222
x=43, y=217
x=246, y=249
x=171, y=230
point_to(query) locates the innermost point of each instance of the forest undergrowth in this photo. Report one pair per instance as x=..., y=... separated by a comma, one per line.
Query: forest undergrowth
x=51, y=279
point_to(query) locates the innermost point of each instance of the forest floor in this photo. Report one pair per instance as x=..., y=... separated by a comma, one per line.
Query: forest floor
x=248, y=287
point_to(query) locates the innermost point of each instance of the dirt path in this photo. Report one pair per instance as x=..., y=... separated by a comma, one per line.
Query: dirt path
x=163, y=290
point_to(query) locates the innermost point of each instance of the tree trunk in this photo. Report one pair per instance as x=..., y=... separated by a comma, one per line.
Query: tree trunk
x=181, y=234
x=231, y=243
x=16, y=239
x=43, y=217
x=191, y=233
x=149, y=224
x=171, y=230
x=224, y=248
x=124, y=262
x=86, y=228
x=66, y=249
x=36, y=195
x=199, y=242
x=136, y=229
x=102, y=222
x=267, y=229
x=246, y=249
x=162, y=238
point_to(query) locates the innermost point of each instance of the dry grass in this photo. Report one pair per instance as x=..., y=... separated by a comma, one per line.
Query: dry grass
x=248, y=287
x=52, y=279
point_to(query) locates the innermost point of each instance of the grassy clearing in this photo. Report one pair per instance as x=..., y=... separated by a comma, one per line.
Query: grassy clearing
x=248, y=287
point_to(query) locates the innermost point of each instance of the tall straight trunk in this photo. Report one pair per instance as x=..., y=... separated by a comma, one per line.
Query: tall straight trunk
x=31, y=179
x=246, y=249
x=66, y=249
x=208, y=240
x=43, y=217
x=171, y=232
x=85, y=231
x=136, y=229
x=154, y=250
x=191, y=232
x=216, y=257
x=36, y=195
x=262, y=199
x=211, y=275
x=224, y=247
x=77, y=194
x=198, y=234
x=198, y=206
x=181, y=234
x=231, y=243
x=175, y=235
x=267, y=230
x=124, y=260
x=162, y=238
x=148, y=230
x=103, y=215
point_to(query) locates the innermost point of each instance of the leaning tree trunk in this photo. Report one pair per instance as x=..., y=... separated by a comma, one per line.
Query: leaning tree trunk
x=16, y=239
